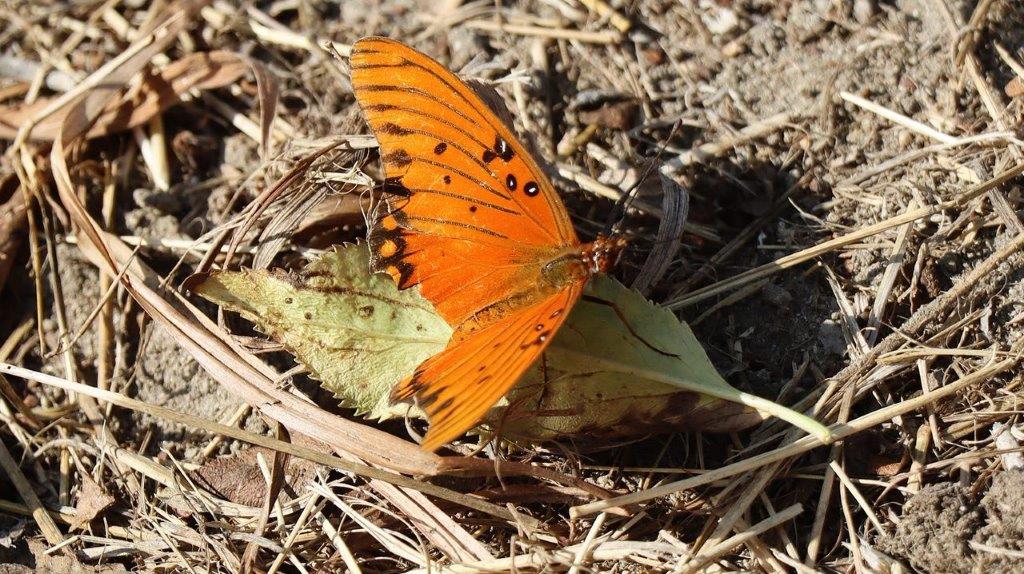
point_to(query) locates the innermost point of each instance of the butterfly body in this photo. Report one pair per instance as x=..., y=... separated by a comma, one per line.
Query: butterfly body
x=474, y=222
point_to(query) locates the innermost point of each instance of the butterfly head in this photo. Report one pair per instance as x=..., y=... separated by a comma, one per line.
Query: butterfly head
x=601, y=255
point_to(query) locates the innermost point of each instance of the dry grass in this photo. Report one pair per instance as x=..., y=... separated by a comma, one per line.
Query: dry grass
x=143, y=142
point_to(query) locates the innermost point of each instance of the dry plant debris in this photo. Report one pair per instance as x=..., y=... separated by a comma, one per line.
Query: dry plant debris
x=852, y=174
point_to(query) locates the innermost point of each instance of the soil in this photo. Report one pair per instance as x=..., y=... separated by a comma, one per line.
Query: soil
x=718, y=66
x=939, y=524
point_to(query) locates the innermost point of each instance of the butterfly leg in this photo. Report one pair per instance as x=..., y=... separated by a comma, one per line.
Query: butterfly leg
x=622, y=318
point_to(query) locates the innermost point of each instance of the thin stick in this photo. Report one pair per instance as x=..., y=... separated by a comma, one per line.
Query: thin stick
x=863, y=502
x=602, y=37
x=621, y=23
x=105, y=337
x=584, y=554
x=821, y=512
x=900, y=119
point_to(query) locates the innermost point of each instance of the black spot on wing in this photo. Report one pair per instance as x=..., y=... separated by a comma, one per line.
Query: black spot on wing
x=510, y=182
x=394, y=186
x=392, y=129
x=502, y=149
x=531, y=189
x=398, y=158
x=440, y=148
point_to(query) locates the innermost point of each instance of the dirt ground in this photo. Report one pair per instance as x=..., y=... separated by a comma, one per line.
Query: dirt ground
x=684, y=75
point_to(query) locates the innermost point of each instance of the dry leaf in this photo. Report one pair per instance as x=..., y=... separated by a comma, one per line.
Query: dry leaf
x=1015, y=87
x=92, y=500
x=12, y=224
x=203, y=71
x=61, y=563
x=238, y=477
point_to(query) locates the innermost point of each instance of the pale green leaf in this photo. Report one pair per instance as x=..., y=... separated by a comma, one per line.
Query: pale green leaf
x=356, y=332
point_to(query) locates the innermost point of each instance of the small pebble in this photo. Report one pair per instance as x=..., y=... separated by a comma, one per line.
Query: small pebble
x=162, y=201
x=777, y=296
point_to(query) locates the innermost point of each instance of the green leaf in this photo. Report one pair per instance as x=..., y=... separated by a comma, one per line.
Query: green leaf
x=356, y=332
x=619, y=367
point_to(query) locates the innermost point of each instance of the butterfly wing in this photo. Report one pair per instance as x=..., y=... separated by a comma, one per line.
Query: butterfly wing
x=457, y=386
x=473, y=216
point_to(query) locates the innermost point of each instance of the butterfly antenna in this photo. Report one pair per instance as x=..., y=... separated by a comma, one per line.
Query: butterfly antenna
x=618, y=214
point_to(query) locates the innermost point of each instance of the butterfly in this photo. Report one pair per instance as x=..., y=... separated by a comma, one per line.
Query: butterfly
x=473, y=221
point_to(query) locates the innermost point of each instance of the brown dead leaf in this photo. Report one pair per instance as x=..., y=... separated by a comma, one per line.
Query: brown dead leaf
x=617, y=115
x=1015, y=87
x=330, y=222
x=203, y=71
x=92, y=500
x=238, y=477
x=12, y=224
x=63, y=563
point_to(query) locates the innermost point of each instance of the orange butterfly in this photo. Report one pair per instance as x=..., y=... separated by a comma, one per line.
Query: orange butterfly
x=476, y=224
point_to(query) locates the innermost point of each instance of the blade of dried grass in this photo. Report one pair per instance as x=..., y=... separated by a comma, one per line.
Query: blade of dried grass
x=900, y=119
x=267, y=90
x=857, y=495
x=446, y=534
x=600, y=37
x=728, y=142
x=584, y=554
x=897, y=258
x=821, y=511
x=12, y=223
x=396, y=544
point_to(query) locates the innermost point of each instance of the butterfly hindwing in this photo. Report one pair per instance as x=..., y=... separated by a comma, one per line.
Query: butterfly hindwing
x=471, y=212
x=459, y=385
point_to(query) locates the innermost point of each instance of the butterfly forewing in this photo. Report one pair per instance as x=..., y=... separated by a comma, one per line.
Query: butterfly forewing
x=468, y=201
